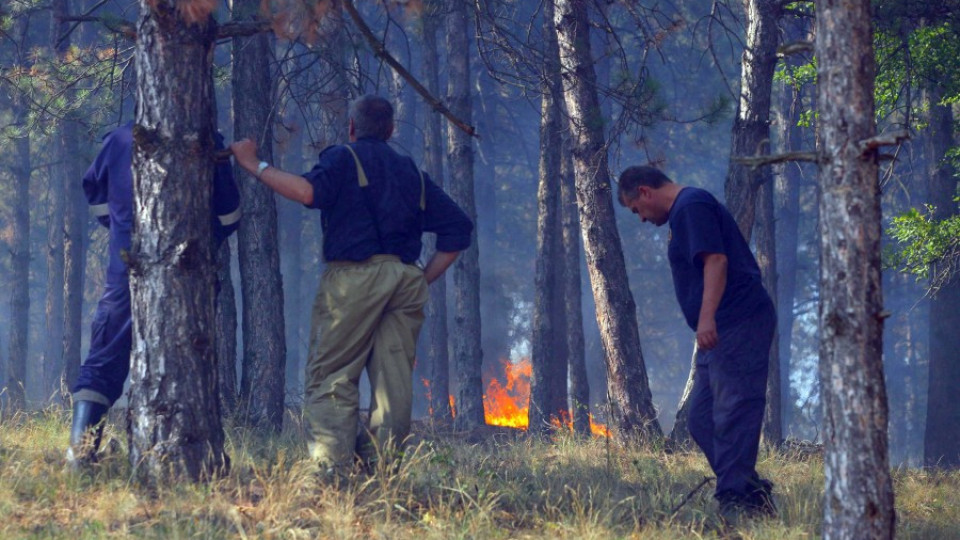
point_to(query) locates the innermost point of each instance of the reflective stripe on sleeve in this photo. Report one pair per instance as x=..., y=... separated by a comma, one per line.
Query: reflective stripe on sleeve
x=229, y=219
x=99, y=210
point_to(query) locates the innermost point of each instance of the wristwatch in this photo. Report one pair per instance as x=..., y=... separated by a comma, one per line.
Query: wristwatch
x=261, y=167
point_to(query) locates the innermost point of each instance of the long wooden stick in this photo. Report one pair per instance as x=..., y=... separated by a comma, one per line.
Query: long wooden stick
x=381, y=52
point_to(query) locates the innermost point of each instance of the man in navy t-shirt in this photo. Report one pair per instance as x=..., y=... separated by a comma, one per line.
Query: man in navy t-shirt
x=717, y=283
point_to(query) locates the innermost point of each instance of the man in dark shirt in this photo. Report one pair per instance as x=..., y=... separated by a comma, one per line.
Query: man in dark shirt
x=375, y=205
x=717, y=282
x=108, y=185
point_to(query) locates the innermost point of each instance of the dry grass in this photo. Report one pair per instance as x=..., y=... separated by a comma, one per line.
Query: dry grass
x=446, y=487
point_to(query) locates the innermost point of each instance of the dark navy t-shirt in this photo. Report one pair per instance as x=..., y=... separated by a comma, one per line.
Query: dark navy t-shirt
x=384, y=218
x=699, y=224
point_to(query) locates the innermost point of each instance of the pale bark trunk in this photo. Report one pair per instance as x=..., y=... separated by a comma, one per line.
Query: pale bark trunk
x=264, y=348
x=942, y=435
x=467, y=353
x=859, y=493
x=548, y=396
x=435, y=326
x=291, y=258
x=631, y=406
x=175, y=426
x=751, y=127
x=576, y=357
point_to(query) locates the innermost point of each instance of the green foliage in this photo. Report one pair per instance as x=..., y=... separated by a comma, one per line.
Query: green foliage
x=927, y=248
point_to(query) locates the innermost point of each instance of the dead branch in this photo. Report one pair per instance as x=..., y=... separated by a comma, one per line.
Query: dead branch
x=690, y=495
x=381, y=52
x=877, y=141
x=796, y=47
x=224, y=31
x=115, y=25
x=760, y=161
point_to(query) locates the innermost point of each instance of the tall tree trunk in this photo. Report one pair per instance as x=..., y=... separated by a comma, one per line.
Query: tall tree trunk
x=175, y=427
x=751, y=127
x=548, y=396
x=291, y=258
x=16, y=369
x=767, y=260
x=859, y=493
x=788, y=217
x=264, y=349
x=467, y=353
x=632, y=411
x=226, y=331
x=54, y=306
x=75, y=215
x=576, y=357
x=435, y=326
x=942, y=436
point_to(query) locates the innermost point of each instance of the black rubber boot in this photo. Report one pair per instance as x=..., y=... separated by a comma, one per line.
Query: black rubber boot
x=85, y=441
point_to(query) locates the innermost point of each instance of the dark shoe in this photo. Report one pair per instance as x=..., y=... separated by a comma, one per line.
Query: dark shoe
x=85, y=432
x=761, y=500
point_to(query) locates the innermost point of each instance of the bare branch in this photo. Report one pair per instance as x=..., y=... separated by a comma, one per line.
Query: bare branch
x=877, y=141
x=760, y=161
x=381, y=52
x=234, y=29
x=119, y=26
x=797, y=47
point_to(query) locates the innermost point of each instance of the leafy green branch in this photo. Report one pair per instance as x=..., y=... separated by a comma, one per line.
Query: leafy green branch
x=926, y=247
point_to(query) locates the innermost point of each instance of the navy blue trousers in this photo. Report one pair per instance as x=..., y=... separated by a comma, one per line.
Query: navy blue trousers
x=111, y=335
x=728, y=400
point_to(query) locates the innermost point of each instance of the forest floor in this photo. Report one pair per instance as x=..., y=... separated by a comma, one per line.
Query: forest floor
x=491, y=484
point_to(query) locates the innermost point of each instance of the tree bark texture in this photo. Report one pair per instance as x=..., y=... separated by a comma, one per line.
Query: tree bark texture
x=75, y=215
x=859, y=493
x=264, y=348
x=226, y=332
x=680, y=434
x=291, y=259
x=467, y=353
x=576, y=356
x=751, y=126
x=175, y=426
x=631, y=406
x=548, y=385
x=435, y=325
x=942, y=434
x=15, y=378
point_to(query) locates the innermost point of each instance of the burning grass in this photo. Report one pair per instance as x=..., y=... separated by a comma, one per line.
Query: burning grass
x=496, y=483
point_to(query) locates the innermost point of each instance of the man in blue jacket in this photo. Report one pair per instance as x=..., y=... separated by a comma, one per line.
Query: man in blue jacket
x=717, y=282
x=108, y=185
x=375, y=205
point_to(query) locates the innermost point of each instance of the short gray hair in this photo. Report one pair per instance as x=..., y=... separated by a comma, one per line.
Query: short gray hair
x=372, y=116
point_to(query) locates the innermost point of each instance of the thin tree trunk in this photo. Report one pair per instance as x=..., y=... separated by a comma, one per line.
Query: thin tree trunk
x=548, y=396
x=767, y=260
x=632, y=411
x=175, y=427
x=788, y=219
x=467, y=353
x=54, y=306
x=570, y=217
x=859, y=493
x=75, y=216
x=15, y=378
x=264, y=348
x=291, y=223
x=226, y=332
x=679, y=438
x=435, y=326
x=942, y=435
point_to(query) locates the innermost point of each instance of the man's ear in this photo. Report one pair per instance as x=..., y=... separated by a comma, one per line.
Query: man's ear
x=351, y=131
x=390, y=131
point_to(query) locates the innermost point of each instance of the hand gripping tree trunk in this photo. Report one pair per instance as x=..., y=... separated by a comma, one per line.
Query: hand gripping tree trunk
x=175, y=427
x=631, y=407
x=859, y=494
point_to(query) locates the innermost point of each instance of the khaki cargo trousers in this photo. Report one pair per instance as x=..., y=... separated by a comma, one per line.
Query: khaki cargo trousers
x=367, y=315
